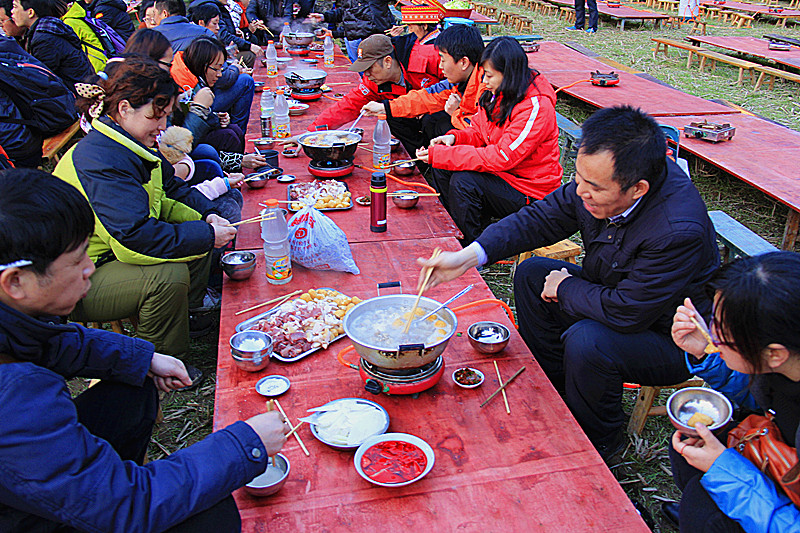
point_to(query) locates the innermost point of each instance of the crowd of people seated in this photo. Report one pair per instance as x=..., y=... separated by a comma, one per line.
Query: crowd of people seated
x=137, y=211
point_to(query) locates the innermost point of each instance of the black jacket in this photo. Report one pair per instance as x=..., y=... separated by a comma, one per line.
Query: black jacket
x=271, y=12
x=227, y=31
x=115, y=14
x=360, y=18
x=19, y=141
x=636, y=272
x=55, y=44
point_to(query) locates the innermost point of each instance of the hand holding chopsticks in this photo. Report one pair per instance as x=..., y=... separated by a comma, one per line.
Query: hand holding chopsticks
x=428, y=272
x=296, y=436
x=397, y=163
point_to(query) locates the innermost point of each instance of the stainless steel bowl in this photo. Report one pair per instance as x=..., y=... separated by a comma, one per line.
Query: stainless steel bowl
x=488, y=337
x=251, y=360
x=406, y=358
x=305, y=78
x=404, y=169
x=267, y=483
x=299, y=38
x=408, y=200
x=259, y=183
x=258, y=86
x=683, y=403
x=238, y=265
x=394, y=144
x=264, y=143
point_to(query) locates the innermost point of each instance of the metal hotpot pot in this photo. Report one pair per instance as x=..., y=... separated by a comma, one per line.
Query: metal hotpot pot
x=408, y=356
x=299, y=38
x=305, y=78
x=338, y=151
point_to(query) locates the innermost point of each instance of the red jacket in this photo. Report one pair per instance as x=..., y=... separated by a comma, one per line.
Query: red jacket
x=524, y=152
x=423, y=62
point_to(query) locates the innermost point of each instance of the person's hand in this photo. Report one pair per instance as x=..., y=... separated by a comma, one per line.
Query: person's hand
x=699, y=452
x=551, y=283
x=316, y=18
x=240, y=33
x=373, y=109
x=204, y=97
x=685, y=334
x=395, y=31
x=448, y=266
x=271, y=429
x=422, y=154
x=168, y=373
x=224, y=120
x=257, y=25
x=452, y=104
x=223, y=232
x=446, y=140
x=235, y=179
x=253, y=161
x=255, y=48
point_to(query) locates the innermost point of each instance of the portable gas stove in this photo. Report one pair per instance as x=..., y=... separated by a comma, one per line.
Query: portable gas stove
x=297, y=50
x=783, y=47
x=306, y=95
x=331, y=169
x=601, y=79
x=401, y=381
x=709, y=131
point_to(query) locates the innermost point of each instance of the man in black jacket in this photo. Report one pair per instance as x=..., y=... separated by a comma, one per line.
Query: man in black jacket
x=356, y=20
x=51, y=41
x=649, y=244
x=227, y=31
x=115, y=14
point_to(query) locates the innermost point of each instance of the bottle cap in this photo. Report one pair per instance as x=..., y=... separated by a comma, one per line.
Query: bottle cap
x=378, y=178
x=271, y=203
x=382, y=116
x=269, y=42
x=279, y=91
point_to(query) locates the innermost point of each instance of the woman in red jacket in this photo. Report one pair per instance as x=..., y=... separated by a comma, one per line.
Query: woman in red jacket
x=509, y=154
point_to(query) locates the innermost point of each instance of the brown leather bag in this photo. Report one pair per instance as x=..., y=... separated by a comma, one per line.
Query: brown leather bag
x=758, y=439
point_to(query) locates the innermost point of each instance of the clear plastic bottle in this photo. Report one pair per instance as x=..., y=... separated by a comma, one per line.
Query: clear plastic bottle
x=267, y=111
x=327, y=51
x=277, y=250
x=280, y=122
x=272, y=60
x=381, y=147
x=284, y=32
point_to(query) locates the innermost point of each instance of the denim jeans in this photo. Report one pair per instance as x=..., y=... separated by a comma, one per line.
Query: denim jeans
x=236, y=100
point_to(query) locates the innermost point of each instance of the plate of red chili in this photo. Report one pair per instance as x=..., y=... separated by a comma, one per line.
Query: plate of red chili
x=394, y=459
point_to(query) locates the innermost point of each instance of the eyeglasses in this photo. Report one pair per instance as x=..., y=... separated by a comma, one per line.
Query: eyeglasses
x=215, y=69
x=150, y=20
x=712, y=333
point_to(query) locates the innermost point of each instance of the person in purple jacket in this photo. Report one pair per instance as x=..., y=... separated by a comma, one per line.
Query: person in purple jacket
x=76, y=464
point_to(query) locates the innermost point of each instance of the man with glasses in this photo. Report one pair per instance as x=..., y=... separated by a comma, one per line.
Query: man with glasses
x=649, y=244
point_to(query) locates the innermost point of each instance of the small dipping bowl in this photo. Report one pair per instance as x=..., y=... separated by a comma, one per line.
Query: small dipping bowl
x=259, y=183
x=286, y=178
x=258, y=86
x=283, y=61
x=264, y=143
x=360, y=131
x=405, y=169
x=394, y=144
x=488, y=337
x=273, y=478
x=251, y=350
x=683, y=403
x=408, y=199
x=466, y=385
x=238, y=265
x=297, y=109
x=291, y=151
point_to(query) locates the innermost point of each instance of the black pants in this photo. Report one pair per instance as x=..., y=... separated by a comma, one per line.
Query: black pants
x=474, y=198
x=123, y=415
x=414, y=133
x=587, y=360
x=580, y=14
x=698, y=512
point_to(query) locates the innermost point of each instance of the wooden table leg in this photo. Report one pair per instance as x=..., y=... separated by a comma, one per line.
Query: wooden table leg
x=790, y=231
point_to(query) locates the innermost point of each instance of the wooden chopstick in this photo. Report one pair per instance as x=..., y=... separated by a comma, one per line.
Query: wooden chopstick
x=365, y=148
x=500, y=379
x=294, y=429
x=271, y=407
x=396, y=194
x=284, y=297
x=503, y=386
x=250, y=221
x=397, y=163
x=428, y=273
x=710, y=347
x=296, y=436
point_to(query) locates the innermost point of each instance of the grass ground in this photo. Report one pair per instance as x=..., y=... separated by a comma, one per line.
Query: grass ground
x=644, y=473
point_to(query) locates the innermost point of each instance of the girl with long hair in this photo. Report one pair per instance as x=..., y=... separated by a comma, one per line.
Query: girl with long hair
x=509, y=154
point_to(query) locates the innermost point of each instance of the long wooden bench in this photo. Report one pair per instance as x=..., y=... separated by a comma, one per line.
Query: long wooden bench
x=745, y=67
x=569, y=138
x=773, y=73
x=52, y=145
x=663, y=44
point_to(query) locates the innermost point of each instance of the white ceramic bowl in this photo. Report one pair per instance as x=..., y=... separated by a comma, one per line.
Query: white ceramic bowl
x=405, y=437
x=478, y=384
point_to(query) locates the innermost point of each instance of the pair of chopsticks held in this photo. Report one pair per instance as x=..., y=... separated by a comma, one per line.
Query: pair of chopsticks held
x=271, y=404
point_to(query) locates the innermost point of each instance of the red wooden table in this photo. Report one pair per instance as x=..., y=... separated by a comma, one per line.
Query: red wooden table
x=532, y=470
x=751, y=46
x=620, y=13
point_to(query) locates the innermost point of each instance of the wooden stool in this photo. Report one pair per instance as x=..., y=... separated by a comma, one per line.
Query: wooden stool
x=644, y=404
x=713, y=12
x=525, y=24
x=741, y=20
x=565, y=250
x=568, y=14
x=698, y=24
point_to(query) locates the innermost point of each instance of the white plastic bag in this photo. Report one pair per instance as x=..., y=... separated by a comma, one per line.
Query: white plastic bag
x=318, y=243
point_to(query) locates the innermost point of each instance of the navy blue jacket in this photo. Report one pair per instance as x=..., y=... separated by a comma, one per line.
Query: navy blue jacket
x=115, y=14
x=181, y=32
x=53, y=467
x=56, y=45
x=227, y=31
x=19, y=141
x=636, y=272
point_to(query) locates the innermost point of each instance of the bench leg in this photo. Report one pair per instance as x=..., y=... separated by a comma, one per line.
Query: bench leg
x=639, y=414
x=702, y=63
x=760, y=80
x=790, y=231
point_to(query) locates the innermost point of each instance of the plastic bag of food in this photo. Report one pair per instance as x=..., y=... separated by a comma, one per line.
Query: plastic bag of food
x=318, y=243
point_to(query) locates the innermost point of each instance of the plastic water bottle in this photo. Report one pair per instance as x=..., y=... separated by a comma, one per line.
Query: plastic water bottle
x=381, y=147
x=280, y=122
x=272, y=60
x=232, y=50
x=284, y=32
x=277, y=250
x=327, y=51
x=267, y=111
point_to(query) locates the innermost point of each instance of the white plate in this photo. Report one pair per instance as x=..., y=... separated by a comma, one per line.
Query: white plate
x=346, y=447
x=478, y=384
x=404, y=437
x=272, y=385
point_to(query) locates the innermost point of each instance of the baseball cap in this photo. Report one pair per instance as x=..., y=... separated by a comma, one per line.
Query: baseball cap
x=371, y=49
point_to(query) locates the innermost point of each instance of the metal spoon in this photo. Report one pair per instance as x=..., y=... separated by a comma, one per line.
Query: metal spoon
x=353, y=125
x=459, y=295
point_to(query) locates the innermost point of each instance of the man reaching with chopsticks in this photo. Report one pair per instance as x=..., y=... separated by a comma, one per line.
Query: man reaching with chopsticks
x=649, y=244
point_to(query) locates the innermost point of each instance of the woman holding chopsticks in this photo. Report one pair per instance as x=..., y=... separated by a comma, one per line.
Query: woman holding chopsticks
x=153, y=233
x=508, y=156
x=755, y=328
